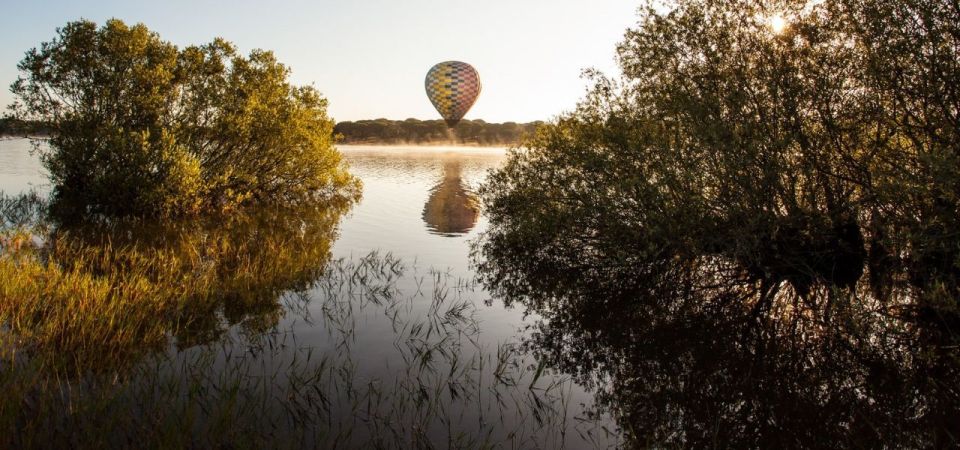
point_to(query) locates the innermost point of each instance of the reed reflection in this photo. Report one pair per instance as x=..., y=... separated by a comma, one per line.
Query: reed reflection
x=114, y=292
x=451, y=209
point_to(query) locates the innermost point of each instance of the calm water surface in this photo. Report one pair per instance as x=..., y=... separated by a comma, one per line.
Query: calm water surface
x=400, y=187
x=403, y=338
x=20, y=170
x=418, y=209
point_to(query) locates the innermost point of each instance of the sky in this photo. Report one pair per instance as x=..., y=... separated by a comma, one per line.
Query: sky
x=369, y=57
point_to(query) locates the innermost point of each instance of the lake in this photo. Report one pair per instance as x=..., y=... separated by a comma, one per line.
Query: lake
x=406, y=320
x=445, y=362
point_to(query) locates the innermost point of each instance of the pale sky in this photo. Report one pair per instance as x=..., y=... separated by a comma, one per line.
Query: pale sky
x=369, y=57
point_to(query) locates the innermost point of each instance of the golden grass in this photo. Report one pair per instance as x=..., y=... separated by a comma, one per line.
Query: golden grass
x=99, y=297
x=88, y=318
x=78, y=315
x=262, y=391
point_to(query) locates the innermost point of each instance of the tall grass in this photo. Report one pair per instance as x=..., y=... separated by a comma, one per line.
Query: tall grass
x=191, y=336
x=96, y=297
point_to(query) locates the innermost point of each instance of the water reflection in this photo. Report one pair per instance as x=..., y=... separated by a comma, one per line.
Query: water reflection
x=272, y=329
x=191, y=280
x=397, y=183
x=451, y=208
x=269, y=343
x=675, y=356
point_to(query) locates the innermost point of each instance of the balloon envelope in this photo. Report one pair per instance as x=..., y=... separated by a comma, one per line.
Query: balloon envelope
x=452, y=87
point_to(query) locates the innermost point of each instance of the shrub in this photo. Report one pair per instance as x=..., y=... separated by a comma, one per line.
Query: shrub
x=788, y=163
x=140, y=127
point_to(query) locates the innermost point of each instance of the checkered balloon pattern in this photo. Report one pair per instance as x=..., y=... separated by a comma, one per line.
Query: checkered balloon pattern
x=452, y=87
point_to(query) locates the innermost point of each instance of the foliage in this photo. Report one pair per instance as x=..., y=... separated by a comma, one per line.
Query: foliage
x=797, y=160
x=140, y=127
x=99, y=296
x=11, y=126
x=242, y=331
x=750, y=239
x=678, y=367
x=413, y=131
x=752, y=235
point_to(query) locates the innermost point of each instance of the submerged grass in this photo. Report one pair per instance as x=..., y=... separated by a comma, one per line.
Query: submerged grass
x=119, y=336
x=105, y=294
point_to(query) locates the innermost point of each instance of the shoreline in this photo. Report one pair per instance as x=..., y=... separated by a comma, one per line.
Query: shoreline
x=9, y=137
x=432, y=144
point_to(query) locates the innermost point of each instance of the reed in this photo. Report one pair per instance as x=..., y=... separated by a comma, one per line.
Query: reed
x=117, y=336
x=105, y=293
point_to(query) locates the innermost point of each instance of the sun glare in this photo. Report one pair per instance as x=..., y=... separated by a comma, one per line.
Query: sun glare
x=778, y=24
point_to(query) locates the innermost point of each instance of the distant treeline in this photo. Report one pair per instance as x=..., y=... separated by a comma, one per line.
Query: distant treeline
x=413, y=131
x=378, y=131
x=10, y=126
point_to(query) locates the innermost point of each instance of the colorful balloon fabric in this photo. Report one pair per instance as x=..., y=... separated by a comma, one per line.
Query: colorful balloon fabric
x=452, y=87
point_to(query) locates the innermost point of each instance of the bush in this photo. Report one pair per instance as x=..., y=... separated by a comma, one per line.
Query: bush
x=787, y=164
x=140, y=127
x=750, y=239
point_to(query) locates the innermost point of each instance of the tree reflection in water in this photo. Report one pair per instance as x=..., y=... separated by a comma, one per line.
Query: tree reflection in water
x=112, y=292
x=451, y=209
x=678, y=357
x=251, y=379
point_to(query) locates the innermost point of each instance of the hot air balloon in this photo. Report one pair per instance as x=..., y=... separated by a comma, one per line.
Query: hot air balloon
x=452, y=87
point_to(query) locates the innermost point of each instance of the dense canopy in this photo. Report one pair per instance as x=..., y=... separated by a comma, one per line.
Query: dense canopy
x=794, y=185
x=141, y=127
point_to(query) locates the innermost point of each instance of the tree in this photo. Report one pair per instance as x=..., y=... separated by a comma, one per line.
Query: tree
x=751, y=231
x=140, y=127
x=785, y=164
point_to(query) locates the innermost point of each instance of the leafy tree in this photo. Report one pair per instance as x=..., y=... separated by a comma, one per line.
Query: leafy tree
x=751, y=230
x=140, y=127
x=785, y=163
